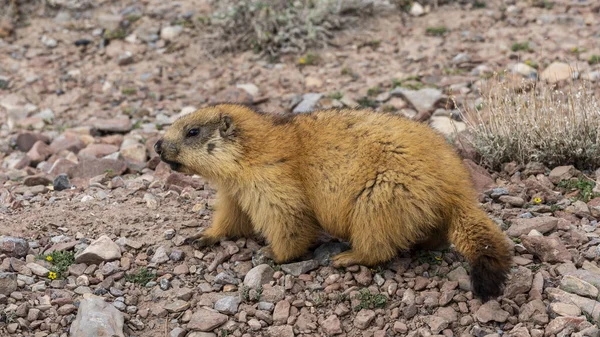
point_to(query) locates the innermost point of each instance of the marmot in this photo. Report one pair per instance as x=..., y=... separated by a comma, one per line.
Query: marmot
x=380, y=181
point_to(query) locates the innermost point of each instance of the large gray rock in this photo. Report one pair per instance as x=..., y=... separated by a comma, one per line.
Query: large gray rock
x=102, y=249
x=97, y=318
x=258, y=276
x=8, y=283
x=12, y=246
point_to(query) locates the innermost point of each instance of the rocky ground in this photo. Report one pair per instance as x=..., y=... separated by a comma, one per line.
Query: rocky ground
x=94, y=226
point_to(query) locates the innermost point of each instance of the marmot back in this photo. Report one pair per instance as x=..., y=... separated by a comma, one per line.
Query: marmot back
x=380, y=181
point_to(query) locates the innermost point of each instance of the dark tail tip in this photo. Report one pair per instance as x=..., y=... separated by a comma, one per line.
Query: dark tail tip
x=488, y=276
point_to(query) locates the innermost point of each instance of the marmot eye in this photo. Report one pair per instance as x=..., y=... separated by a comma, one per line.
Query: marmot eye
x=193, y=133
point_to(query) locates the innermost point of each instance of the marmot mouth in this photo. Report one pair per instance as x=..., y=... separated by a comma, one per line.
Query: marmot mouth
x=175, y=166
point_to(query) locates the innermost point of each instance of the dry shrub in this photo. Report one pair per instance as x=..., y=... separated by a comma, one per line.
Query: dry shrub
x=554, y=127
x=274, y=27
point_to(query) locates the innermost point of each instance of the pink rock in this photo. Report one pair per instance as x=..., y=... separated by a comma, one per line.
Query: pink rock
x=39, y=152
x=26, y=140
x=98, y=150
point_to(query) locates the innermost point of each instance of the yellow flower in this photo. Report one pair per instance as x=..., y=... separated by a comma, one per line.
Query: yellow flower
x=302, y=60
x=48, y=258
x=537, y=200
x=52, y=275
x=439, y=258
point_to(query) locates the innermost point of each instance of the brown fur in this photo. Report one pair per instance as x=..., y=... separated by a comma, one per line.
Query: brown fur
x=380, y=181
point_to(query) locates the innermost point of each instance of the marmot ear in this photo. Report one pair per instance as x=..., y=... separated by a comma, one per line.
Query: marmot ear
x=226, y=126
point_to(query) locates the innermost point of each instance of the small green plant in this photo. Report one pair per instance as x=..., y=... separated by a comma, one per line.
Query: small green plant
x=341, y=297
x=436, y=31
x=594, y=59
x=430, y=257
x=374, y=91
x=412, y=83
x=133, y=17
x=336, y=95
x=520, y=46
x=309, y=59
x=479, y=4
x=318, y=300
x=388, y=108
x=368, y=300
x=454, y=71
x=116, y=34
x=245, y=291
x=374, y=44
x=137, y=124
x=225, y=332
x=60, y=263
x=584, y=186
x=275, y=267
x=128, y=91
x=366, y=102
x=347, y=71
x=548, y=4
x=532, y=64
x=535, y=267
x=142, y=276
x=516, y=240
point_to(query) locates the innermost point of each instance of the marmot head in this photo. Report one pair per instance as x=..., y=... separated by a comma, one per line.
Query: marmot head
x=203, y=142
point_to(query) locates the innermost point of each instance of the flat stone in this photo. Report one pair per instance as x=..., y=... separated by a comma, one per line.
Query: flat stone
x=422, y=100
x=258, y=276
x=8, y=283
x=13, y=246
x=308, y=103
x=332, y=325
x=227, y=305
x=522, y=226
x=98, y=150
x=364, y=318
x=577, y=286
x=90, y=168
x=38, y=270
x=548, y=249
x=206, y=320
x=491, y=311
x=556, y=72
x=97, y=317
x=299, y=268
x=101, y=250
x=177, y=306
x=112, y=125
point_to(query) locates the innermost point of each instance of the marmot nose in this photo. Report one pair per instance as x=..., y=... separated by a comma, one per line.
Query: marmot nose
x=158, y=146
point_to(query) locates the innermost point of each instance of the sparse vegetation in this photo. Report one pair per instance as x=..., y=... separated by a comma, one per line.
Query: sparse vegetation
x=583, y=185
x=374, y=91
x=276, y=27
x=336, y=95
x=128, y=91
x=520, y=46
x=594, y=59
x=539, y=125
x=309, y=59
x=436, y=31
x=366, y=102
x=142, y=276
x=60, y=263
x=369, y=301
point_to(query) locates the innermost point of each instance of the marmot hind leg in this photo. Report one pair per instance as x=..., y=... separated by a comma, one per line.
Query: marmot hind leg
x=370, y=245
x=229, y=220
x=289, y=236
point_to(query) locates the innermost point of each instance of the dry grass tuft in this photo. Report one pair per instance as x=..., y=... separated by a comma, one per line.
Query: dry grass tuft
x=554, y=127
x=274, y=27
